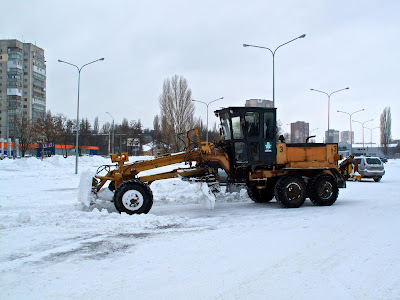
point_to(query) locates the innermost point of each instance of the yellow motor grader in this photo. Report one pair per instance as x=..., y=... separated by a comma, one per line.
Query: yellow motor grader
x=249, y=152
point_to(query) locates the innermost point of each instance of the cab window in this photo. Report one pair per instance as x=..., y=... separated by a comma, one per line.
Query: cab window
x=240, y=153
x=226, y=128
x=237, y=128
x=268, y=125
x=252, y=120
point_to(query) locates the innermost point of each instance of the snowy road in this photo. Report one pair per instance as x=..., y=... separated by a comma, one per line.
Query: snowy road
x=51, y=247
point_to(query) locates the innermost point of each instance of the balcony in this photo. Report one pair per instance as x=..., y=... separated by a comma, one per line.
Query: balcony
x=14, y=64
x=39, y=70
x=14, y=92
x=38, y=101
x=14, y=50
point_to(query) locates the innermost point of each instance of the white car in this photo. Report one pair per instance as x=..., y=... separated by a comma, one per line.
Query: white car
x=370, y=167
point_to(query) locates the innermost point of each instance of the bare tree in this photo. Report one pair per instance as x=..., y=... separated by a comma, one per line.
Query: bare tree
x=177, y=108
x=96, y=127
x=26, y=134
x=386, y=129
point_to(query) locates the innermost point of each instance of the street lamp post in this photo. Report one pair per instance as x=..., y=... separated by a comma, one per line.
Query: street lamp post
x=273, y=62
x=329, y=102
x=207, y=104
x=362, y=124
x=113, y=150
x=371, y=129
x=77, y=106
x=351, y=130
x=314, y=130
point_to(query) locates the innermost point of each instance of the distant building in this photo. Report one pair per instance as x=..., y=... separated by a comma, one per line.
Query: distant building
x=345, y=137
x=258, y=103
x=22, y=84
x=334, y=136
x=299, y=132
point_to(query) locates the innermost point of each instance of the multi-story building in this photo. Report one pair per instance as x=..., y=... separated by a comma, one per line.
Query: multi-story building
x=299, y=132
x=258, y=103
x=333, y=134
x=22, y=85
x=345, y=137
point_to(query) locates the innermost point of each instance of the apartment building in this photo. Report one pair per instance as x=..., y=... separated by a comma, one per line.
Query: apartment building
x=333, y=136
x=345, y=137
x=22, y=85
x=299, y=132
x=258, y=103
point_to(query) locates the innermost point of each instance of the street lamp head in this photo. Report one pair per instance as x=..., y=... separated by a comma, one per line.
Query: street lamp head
x=245, y=45
x=101, y=58
x=302, y=36
x=60, y=60
x=347, y=88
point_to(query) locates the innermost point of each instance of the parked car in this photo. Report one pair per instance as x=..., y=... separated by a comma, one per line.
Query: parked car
x=384, y=159
x=370, y=167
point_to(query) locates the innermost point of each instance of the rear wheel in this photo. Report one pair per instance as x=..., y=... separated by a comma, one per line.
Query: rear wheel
x=377, y=179
x=323, y=190
x=133, y=197
x=290, y=191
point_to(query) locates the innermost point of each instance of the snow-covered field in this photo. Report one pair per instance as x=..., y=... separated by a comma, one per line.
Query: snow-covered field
x=53, y=247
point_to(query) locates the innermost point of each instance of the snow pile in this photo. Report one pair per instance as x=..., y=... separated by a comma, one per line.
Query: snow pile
x=85, y=195
x=208, y=196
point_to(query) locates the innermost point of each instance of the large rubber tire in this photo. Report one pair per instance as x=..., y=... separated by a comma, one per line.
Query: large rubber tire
x=377, y=179
x=111, y=186
x=323, y=190
x=260, y=196
x=133, y=197
x=290, y=191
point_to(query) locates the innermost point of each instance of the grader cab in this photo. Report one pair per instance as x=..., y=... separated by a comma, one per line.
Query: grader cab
x=251, y=155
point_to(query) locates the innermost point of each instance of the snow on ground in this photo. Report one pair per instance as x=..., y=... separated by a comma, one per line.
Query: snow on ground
x=54, y=247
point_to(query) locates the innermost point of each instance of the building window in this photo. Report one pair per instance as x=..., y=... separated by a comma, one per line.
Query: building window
x=25, y=99
x=25, y=106
x=25, y=73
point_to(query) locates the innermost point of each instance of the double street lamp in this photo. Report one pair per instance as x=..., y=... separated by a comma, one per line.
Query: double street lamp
x=362, y=124
x=273, y=62
x=207, y=104
x=371, y=129
x=351, y=131
x=329, y=101
x=77, y=107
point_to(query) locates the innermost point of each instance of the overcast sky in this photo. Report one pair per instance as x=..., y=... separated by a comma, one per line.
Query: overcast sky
x=348, y=44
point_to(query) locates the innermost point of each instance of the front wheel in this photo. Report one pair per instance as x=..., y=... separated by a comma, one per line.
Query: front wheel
x=260, y=196
x=133, y=197
x=377, y=179
x=290, y=191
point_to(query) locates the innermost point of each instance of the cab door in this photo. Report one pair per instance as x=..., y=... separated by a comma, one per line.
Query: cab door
x=268, y=137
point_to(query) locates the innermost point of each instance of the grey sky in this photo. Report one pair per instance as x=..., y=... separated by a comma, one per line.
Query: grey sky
x=348, y=43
